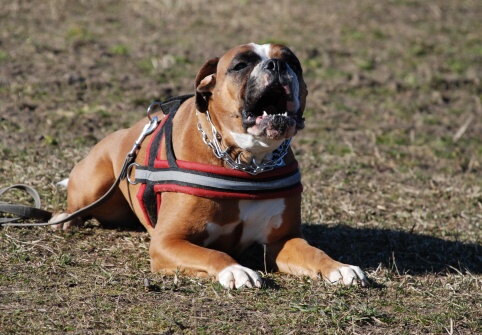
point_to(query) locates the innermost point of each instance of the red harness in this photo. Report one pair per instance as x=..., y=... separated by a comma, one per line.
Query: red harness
x=203, y=180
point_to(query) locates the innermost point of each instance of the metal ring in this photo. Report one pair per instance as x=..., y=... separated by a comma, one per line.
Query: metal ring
x=128, y=173
x=150, y=108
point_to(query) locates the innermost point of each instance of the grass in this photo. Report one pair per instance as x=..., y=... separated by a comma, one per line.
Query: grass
x=390, y=165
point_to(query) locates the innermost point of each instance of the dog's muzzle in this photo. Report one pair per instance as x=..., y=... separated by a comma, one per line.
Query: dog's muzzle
x=271, y=101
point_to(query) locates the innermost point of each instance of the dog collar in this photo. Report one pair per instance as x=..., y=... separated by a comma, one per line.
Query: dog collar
x=267, y=164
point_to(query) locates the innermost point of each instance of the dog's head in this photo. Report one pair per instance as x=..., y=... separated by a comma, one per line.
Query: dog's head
x=255, y=94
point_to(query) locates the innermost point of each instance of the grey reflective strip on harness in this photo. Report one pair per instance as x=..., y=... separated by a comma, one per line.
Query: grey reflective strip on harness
x=164, y=177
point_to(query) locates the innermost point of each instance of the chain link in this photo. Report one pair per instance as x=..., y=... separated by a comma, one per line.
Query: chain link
x=254, y=167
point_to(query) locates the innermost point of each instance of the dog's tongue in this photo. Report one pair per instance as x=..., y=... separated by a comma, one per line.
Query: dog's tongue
x=275, y=126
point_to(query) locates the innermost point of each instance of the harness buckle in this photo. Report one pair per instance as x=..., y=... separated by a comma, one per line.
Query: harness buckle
x=128, y=173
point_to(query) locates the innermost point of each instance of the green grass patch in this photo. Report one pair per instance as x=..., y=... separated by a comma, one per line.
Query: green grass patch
x=120, y=50
x=393, y=139
x=4, y=56
x=79, y=33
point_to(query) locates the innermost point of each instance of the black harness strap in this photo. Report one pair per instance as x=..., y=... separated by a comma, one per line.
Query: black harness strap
x=169, y=108
x=172, y=104
x=171, y=157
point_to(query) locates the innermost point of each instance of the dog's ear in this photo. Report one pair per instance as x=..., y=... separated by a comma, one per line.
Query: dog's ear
x=205, y=82
x=302, y=96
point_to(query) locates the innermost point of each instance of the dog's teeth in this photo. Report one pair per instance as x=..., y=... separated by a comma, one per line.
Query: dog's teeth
x=285, y=114
x=265, y=114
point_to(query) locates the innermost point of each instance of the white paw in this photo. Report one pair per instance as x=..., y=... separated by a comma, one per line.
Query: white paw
x=66, y=225
x=348, y=275
x=63, y=183
x=235, y=276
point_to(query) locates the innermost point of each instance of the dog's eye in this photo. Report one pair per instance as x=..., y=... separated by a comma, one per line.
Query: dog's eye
x=239, y=66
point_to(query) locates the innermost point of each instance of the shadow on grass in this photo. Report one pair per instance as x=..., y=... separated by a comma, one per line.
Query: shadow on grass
x=399, y=251
x=402, y=252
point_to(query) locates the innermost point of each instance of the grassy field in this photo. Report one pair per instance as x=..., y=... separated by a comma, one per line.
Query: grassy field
x=391, y=160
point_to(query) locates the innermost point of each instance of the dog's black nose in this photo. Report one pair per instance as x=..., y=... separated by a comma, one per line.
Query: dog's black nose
x=275, y=65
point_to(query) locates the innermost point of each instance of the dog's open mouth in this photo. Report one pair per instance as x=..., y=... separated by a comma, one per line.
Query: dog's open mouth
x=273, y=115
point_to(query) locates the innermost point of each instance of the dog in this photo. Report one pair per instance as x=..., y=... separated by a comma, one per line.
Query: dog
x=217, y=175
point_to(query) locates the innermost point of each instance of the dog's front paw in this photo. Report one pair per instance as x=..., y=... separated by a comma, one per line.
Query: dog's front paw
x=235, y=276
x=347, y=275
x=65, y=225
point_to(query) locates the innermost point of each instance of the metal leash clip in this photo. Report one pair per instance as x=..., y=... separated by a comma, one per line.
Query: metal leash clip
x=147, y=130
x=151, y=108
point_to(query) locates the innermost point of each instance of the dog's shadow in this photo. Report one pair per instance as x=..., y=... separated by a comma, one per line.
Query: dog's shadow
x=402, y=252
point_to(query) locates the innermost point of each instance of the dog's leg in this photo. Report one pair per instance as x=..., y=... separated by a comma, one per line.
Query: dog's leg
x=89, y=180
x=75, y=222
x=181, y=238
x=172, y=254
x=297, y=257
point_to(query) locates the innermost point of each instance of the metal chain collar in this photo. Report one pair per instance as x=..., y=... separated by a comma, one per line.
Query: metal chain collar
x=254, y=167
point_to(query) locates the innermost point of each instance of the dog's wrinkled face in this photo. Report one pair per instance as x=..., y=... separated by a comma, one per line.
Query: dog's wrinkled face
x=258, y=94
x=272, y=93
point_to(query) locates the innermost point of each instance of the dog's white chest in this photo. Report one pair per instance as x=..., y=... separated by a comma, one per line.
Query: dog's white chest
x=258, y=219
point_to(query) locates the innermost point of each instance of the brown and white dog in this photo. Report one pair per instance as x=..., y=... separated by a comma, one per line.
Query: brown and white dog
x=255, y=96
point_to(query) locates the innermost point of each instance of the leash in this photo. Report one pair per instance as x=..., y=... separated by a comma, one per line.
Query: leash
x=20, y=210
x=23, y=212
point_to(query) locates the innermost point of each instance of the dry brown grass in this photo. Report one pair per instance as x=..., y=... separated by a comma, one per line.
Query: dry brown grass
x=391, y=161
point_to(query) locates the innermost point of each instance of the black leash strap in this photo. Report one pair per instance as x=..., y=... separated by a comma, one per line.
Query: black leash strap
x=23, y=212
x=27, y=212
x=35, y=213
